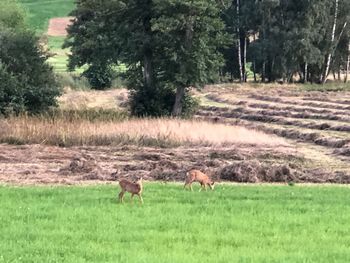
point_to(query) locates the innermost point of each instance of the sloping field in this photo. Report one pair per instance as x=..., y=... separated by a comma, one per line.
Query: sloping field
x=316, y=122
x=41, y=11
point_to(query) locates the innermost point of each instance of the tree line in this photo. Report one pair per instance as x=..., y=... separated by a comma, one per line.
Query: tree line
x=170, y=46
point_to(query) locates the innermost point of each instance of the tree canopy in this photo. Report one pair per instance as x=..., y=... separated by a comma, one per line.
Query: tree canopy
x=169, y=46
x=27, y=81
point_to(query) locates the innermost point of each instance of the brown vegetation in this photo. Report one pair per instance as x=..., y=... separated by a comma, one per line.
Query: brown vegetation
x=143, y=132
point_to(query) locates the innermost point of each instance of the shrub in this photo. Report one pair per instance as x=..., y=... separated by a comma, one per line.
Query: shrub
x=11, y=92
x=99, y=76
x=32, y=85
x=159, y=102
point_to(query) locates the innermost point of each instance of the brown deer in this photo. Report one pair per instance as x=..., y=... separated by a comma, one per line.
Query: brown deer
x=198, y=176
x=135, y=188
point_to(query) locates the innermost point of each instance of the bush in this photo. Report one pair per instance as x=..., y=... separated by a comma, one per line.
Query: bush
x=11, y=93
x=159, y=102
x=99, y=76
x=151, y=102
x=27, y=81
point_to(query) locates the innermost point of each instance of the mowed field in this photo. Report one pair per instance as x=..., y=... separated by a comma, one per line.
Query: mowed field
x=233, y=223
x=316, y=121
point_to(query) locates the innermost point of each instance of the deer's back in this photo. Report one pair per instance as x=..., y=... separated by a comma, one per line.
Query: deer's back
x=130, y=187
x=196, y=175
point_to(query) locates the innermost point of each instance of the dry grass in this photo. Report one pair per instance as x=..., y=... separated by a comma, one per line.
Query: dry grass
x=77, y=100
x=143, y=132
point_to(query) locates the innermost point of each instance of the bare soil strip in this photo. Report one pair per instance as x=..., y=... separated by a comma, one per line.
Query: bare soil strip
x=58, y=26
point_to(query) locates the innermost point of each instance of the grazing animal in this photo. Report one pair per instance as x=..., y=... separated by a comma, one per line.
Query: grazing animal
x=198, y=176
x=135, y=188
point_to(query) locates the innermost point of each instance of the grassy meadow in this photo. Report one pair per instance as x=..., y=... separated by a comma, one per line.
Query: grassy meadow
x=230, y=224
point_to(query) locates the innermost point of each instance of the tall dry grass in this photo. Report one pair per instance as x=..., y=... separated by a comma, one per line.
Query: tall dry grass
x=143, y=132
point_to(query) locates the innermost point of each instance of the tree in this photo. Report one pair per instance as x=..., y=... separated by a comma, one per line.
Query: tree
x=168, y=46
x=189, y=34
x=27, y=81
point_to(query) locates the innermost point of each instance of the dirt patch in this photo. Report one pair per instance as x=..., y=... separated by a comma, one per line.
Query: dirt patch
x=254, y=172
x=58, y=26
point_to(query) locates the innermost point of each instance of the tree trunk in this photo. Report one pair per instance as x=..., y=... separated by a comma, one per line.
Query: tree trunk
x=177, y=109
x=148, y=69
x=239, y=42
x=347, y=64
x=263, y=74
x=254, y=62
x=147, y=58
x=245, y=59
x=329, y=56
x=180, y=90
x=305, y=72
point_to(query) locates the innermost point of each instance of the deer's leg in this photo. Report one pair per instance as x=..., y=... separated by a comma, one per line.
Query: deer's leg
x=141, y=200
x=132, y=196
x=121, y=196
x=200, y=189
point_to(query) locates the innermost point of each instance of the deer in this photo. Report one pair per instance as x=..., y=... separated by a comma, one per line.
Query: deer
x=198, y=176
x=135, y=188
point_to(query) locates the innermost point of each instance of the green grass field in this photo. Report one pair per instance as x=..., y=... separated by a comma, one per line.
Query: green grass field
x=230, y=224
x=40, y=11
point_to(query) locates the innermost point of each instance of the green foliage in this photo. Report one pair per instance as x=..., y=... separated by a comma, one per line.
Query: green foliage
x=229, y=224
x=11, y=92
x=33, y=86
x=99, y=76
x=151, y=101
x=286, y=39
x=11, y=15
x=166, y=46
